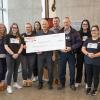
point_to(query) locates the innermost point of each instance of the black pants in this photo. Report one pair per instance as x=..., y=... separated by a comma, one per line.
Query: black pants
x=3, y=68
x=79, y=68
x=12, y=68
x=28, y=63
x=56, y=65
x=35, y=70
x=45, y=59
x=93, y=72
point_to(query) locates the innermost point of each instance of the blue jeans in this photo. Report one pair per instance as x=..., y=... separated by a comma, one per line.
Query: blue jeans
x=64, y=57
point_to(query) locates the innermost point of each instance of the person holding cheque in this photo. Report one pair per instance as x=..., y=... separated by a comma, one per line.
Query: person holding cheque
x=73, y=42
x=45, y=58
x=27, y=59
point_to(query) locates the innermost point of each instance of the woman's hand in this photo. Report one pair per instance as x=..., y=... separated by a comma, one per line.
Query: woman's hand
x=15, y=56
x=91, y=55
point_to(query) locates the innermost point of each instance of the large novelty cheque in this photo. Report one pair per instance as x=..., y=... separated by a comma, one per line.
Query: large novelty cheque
x=45, y=43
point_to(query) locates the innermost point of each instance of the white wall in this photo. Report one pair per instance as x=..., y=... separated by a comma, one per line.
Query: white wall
x=22, y=11
x=79, y=10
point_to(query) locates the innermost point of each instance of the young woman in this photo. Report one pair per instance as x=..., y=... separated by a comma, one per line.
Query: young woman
x=27, y=59
x=85, y=34
x=37, y=28
x=3, y=67
x=14, y=46
x=91, y=50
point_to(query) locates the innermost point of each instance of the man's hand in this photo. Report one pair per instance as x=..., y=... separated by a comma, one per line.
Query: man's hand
x=66, y=50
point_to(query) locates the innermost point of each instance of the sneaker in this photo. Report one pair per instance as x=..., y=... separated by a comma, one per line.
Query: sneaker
x=86, y=86
x=24, y=83
x=29, y=83
x=50, y=87
x=35, y=79
x=77, y=85
x=73, y=87
x=9, y=89
x=88, y=91
x=40, y=86
x=17, y=86
x=94, y=92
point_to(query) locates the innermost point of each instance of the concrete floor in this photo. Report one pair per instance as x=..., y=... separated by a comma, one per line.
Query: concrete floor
x=32, y=93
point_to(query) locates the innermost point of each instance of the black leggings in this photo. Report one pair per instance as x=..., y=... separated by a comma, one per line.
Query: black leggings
x=35, y=69
x=12, y=68
x=28, y=63
x=93, y=72
x=79, y=68
x=3, y=68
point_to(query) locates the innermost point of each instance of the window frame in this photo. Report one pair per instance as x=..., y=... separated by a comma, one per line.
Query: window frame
x=2, y=9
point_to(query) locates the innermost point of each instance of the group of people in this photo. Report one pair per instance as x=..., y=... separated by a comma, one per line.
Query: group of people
x=82, y=50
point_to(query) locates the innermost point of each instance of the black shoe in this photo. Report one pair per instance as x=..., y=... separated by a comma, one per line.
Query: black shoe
x=61, y=87
x=88, y=91
x=73, y=87
x=40, y=86
x=94, y=92
x=50, y=87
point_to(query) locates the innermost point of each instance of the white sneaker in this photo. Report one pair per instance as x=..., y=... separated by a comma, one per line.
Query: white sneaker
x=35, y=79
x=17, y=86
x=77, y=85
x=86, y=86
x=9, y=89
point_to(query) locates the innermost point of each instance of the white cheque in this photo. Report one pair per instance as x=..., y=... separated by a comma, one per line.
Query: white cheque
x=45, y=43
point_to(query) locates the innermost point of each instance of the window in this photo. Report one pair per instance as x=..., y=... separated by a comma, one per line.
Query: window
x=4, y=12
x=1, y=10
x=0, y=16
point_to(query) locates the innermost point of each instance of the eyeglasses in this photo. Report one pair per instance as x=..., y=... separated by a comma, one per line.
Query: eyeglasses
x=93, y=30
x=84, y=24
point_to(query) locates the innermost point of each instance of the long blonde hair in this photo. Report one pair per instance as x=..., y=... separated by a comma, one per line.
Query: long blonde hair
x=5, y=30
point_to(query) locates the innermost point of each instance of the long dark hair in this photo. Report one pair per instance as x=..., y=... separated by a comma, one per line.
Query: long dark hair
x=39, y=25
x=10, y=31
x=88, y=30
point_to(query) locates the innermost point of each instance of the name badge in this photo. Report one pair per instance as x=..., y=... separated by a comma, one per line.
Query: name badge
x=84, y=38
x=92, y=45
x=12, y=40
x=2, y=55
x=67, y=38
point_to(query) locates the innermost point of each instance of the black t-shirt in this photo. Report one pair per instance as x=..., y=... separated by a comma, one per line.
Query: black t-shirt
x=13, y=42
x=23, y=36
x=85, y=36
x=92, y=46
